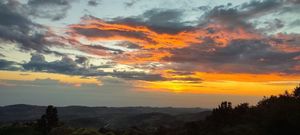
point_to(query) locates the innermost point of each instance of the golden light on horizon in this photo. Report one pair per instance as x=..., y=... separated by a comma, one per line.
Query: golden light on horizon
x=219, y=87
x=76, y=81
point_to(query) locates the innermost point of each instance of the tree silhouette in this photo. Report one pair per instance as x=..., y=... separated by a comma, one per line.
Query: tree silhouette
x=224, y=107
x=242, y=108
x=297, y=91
x=49, y=120
x=51, y=115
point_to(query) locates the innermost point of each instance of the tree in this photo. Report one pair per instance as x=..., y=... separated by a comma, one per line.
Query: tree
x=49, y=120
x=297, y=91
x=242, y=108
x=51, y=116
x=42, y=124
x=224, y=107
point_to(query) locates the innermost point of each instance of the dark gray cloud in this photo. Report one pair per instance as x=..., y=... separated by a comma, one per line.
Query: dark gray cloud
x=172, y=20
x=15, y=27
x=66, y=65
x=238, y=16
x=81, y=59
x=131, y=3
x=248, y=56
x=99, y=47
x=150, y=77
x=49, y=2
x=202, y=8
x=137, y=76
x=159, y=20
x=129, y=45
x=94, y=2
x=258, y=8
x=288, y=42
x=8, y=65
x=49, y=9
x=242, y=16
x=70, y=67
x=273, y=25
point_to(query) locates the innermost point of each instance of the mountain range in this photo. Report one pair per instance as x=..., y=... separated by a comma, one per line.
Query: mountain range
x=108, y=117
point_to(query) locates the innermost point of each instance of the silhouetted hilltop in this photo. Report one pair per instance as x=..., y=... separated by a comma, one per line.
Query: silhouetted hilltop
x=114, y=117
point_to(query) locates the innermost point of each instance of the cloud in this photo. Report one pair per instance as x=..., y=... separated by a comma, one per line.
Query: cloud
x=295, y=23
x=99, y=47
x=93, y=2
x=225, y=39
x=226, y=42
x=131, y=3
x=286, y=42
x=8, y=65
x=81, y=59
x=138, y=33
x=290, y=7
x=16, y=27
x=98, y=33
x=239, y=56
x=159, y=20
x=128, y=45
x=49, y=9
x=70, y=67
x=48, y=2
x=137, y=76
x=65, y=66
x=247, y=14
x=239, y=16
x=48, y=82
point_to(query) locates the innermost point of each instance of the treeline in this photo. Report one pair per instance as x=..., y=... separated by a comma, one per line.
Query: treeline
x=275, y=115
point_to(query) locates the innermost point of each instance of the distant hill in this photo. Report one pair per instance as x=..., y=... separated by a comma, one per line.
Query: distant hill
x=109, y=117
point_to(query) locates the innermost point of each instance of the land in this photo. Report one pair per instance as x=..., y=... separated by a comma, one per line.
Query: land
x=108, y=117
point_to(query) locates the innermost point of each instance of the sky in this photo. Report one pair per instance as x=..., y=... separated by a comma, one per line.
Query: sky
x=186, y=53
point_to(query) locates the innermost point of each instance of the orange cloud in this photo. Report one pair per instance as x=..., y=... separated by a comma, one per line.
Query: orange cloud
x=150, y=39
x=155, y=46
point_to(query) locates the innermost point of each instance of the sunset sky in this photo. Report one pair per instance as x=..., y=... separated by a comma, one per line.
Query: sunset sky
x=187, y=53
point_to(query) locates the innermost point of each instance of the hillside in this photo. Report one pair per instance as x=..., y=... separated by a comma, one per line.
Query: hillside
x=112, y=117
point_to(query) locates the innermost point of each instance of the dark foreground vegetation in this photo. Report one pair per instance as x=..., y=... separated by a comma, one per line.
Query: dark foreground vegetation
x=275, y=115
